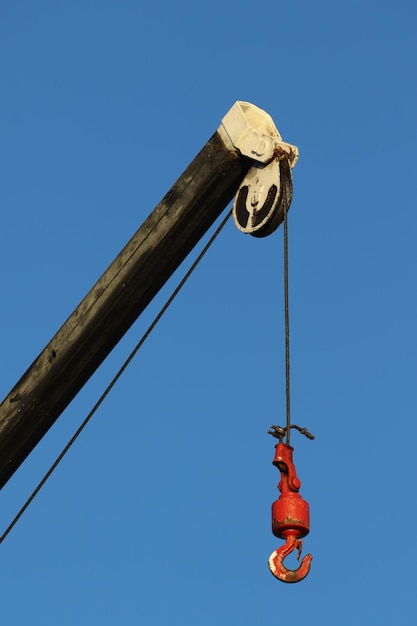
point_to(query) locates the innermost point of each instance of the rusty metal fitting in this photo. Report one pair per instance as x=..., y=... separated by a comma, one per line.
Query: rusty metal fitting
x=290, y=517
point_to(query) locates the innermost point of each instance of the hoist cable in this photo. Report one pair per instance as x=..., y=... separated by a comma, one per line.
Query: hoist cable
x=287, y=328
x=116, y=378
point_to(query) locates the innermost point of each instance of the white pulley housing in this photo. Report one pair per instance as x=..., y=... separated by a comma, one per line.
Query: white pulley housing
x=266, y=190
x=263, y=196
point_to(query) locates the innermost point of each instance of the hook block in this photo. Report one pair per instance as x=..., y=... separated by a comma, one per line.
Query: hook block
x=290, y=518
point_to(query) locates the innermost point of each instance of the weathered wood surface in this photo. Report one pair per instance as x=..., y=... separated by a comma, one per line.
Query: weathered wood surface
x=118, y=298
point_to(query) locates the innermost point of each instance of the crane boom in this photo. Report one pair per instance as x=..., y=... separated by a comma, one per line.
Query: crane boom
x=246, y=137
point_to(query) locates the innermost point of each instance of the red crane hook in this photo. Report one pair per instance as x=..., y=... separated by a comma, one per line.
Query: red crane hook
x=290, y=518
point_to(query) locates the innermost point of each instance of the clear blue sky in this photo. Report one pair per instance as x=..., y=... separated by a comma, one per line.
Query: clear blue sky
x=160, y=514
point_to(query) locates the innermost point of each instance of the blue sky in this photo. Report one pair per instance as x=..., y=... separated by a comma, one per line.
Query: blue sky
x=160, y=514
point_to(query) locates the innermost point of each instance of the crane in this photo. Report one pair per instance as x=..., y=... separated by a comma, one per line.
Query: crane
x=245, y=158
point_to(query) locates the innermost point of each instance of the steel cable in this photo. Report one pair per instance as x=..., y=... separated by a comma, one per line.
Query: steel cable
x=115, y=379
x=287, y=328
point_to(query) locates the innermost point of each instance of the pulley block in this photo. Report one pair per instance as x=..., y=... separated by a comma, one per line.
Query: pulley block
x=262, y=198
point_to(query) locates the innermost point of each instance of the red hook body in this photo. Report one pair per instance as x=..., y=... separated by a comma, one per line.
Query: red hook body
x=290, y=518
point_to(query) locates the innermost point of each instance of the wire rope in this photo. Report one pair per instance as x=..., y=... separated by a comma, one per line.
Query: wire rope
x=115, y=379
x=287, y=330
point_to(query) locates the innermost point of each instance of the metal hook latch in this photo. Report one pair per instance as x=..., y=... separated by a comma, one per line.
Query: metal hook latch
x=290, y=518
